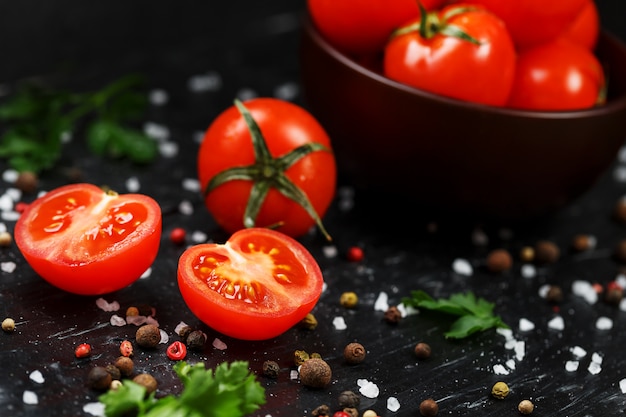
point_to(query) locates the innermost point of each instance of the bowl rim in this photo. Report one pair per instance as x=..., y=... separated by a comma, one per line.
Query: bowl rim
x=615, y=105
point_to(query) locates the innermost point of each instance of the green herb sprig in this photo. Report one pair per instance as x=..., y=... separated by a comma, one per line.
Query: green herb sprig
x=34, y=120
x=474, y=314
x=230, y=391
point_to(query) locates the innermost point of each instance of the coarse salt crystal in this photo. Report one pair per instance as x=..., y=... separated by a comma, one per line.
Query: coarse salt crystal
x=10, y=175
x=246, y=93
x=339, y=323
x=185, y=207
x=597, y=358
x=622, y=305
x=10, y=216
x=368, y=389
x=198, y=236
x=168, y=149
x=29, y=397
x=37, y=377
x=585, y=290
x=287, y=91
x=594, y=368
x=164, y=337
x=543, y=290
x=133, y=185
x=210, y=81
x=14, y=193
x=382, y=302
x=499, y=369
x=191, y=184
x=158, y=97
x=556, y=323
x=6, y=203
x=578, y=352
x=294, y=375
x=136, y=320
x=117, y=321
x=507, y=333
x=95, y=409
x=179, y=327
x=156, y=131
x=479, y=237
x=393, y=404
x=526, y=325
x=604, y=323
x=219, y=344
x=330, y=251
x=520, y=350
x=528, y=271
x=511, y=364
x=8, y=266
x=462, y=267
x=106, y=306
x=622, y=385
x=510, y=344
x=571, y=366
x=147, y=273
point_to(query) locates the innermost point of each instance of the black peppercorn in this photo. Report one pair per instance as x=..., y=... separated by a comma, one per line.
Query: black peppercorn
x=99, y=378
x=271, y=369
x=393, y=315
x=546, y=252
x=196, y=340
x=114, y=371
x=349, y=399
x=321, y=411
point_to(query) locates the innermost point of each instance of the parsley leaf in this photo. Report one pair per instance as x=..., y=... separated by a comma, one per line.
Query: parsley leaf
x=230, y=391
x=475, y=314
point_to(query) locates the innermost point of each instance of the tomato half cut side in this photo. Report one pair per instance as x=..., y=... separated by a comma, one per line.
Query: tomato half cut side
x=88, y=241
x=255, y=286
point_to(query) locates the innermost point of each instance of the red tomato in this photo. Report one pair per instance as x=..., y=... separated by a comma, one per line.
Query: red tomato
x=432, y=59
x=531, y=22
x=255, y=286
x=586, y=28
x=363, y=26
x=88, y=241
x=285, y=127
x=559, y=75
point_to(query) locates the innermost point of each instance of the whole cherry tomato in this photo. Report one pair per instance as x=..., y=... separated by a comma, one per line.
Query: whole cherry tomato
x=464, y=52
x=86, y=240
x=585, y=29
x=558, y=75
x=267, y=163
x=532, y=22
x=255, y=286
x=361, y=27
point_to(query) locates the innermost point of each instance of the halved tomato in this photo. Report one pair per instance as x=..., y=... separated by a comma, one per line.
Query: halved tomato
x=255, y=286
x=89, y=241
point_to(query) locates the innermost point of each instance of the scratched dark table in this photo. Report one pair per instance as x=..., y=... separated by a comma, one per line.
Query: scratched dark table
x=243, y=49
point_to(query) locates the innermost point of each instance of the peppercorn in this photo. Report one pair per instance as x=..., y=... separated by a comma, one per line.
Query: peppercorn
x=196, y=340
x=115, y=384
x=351, y=412
x=526, y=407
x=309, y=322
x=619, y=210
x=125, y=365
x=554, y=294
x=499, y=260
x=83, y=350
x=315, y=355
x=349, y=299
x=341, y=414
x=370, y=413
x=184, y=332
x=620, y=251
x=271, y=369
x=5, y=239
x=27, y=182
x=392, y=315
x=422, y=350
x=177, y=351
x=126, y=348
x=546, y=252
x=321, y=411
x=500, y=390
x=148, y=336
x=145, y=310
x=132, y=311
x=429, y=408
x=527, y=254
x=582, y=242
x=614, y=294
x=354, y=353
x=348, y=399
x=355, y=254
x=315, y=373
x=147, y=381
x=178, y=235
x=300, y=356
x=115, y=372
x=99, y=378
x=8, y=325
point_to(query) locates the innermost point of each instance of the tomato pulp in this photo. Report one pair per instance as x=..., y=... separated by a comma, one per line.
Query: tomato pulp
x=255, y=286
x=88, y=241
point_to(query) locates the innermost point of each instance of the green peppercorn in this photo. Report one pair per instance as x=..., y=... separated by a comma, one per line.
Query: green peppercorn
x=321, y=411
x=271, y=369
x=309, y=322
x=500, y=390
x=300, y=356
x=349, y=299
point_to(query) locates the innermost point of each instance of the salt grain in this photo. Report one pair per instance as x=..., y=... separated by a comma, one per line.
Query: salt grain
x=543, y=290
x=462, y=267
x=571, y=366
x=136, y=320
x=95, y=409
x=622, y=385
x=287, y=91
x=578, y=352
x=219, y=344
x=179, y=327
x=168, y=149
x=6, y=203
x=499, y=369
x=526, y=325
x=597, y=358
x=556, y=323
x=198, y=236
x=158, y=97
x=191, y=184
x=106, y=306
x=585, y=290
x=330, y=251
x=510, y=364
x=594, y=368
x=507, y=333
x=293, y=375
x=339, y=323
x=8, y=266
x=156, y=131
x=210, y=81
x=246, y=94
x=393, y=404
x=382, y=302
x=36, y=376
x=368, y=389
x=165, y=338
x=185, y=207
x=146, y=274
x=117, y=321
x=10, y=176
x=604, y=323
x=10, y=216
x=132, y=184
x=520, y=350
x=622, y=304
x=528, y=271
x=29, y=397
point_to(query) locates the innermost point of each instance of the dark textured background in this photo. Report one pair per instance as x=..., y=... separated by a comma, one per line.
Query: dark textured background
x=252, y=46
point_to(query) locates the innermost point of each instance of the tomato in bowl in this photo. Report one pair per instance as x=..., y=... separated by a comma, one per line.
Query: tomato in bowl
x=458, y=156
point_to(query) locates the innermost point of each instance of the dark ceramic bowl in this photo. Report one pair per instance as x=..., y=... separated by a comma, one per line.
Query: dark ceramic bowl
x=460, y=156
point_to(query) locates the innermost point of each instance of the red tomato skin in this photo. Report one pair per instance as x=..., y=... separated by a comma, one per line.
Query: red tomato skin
x=455, y=67
x=533, y=22
x=109, y=270
x=585, y=29
x=285, y=126
x=544, y=74
x=359, y=27
x=247, y=321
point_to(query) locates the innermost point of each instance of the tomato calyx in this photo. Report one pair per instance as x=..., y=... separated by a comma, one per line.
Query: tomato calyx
x=431, y=24
x=268, y=172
